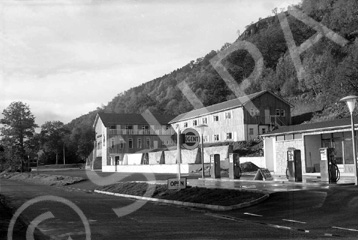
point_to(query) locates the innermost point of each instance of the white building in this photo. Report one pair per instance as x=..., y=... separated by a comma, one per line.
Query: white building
x=309, y=138
x=240, y=119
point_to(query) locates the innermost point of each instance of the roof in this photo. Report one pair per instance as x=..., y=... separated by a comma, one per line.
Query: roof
x=110, y=119
x=237, y=102
x=311, y=127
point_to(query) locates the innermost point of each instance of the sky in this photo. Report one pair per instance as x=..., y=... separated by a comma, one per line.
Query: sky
x=65, y=58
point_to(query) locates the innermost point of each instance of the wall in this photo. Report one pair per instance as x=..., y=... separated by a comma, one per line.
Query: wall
x=270, y=102
x=270, y=153
x=222, y=150
x=98, y=130
x=232, y=125
x=184, y=168
x=134, y=159
x=281, y=154
x=154, y=157
x=258, y=161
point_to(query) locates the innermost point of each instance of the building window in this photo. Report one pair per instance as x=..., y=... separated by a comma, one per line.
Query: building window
x=148, y=143
x=121, y=145
x=205, y=120
x=289, y=137
x=112, y=127
x=228, y=136
x=251, y=131
x=185, y=124
x=129, y=129
x=99, y=145
x=297, y=136
x=228, y=115
x=216, y=118
x=206, y=138
x=278, y=112
x=130, y=143
x=112, y=143
x=216, y=137
x=263, y=131
x=195, y=122
x=139, y=143
x=283, y=113
x=280, y=138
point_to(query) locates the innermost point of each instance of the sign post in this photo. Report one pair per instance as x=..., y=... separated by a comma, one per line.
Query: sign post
x=178, y=154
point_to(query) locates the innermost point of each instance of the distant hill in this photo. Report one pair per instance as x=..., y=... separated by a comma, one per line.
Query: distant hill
x=332, y=70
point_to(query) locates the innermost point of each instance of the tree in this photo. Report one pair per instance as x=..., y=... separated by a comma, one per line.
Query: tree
x=18, y=128
x=82, y=138
x=52, y=137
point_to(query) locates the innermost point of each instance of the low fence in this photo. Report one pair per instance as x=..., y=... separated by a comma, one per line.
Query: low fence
x=166, y=168
x=258, y=161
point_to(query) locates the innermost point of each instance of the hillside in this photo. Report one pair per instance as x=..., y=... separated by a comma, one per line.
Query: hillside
x=331, y=70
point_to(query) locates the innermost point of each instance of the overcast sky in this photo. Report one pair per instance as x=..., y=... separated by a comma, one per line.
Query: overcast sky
x=65, y=58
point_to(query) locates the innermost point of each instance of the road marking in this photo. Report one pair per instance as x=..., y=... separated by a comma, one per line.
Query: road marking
x=252, y=214
x=294, y=221
x=348, y=229
x=279, y=226
x=223, y=217
x=230, y=218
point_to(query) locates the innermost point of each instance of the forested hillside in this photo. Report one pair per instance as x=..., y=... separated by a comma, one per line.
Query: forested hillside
x=331, y=70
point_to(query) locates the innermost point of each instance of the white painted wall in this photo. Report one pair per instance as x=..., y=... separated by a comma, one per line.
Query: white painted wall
x=234, y=125
x=269, y=153
x=134, y=159
x=173, y=168
x=258, y=161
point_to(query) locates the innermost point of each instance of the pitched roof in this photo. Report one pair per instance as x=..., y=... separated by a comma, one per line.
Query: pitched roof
x=110, y=119
x=237, y=102
x=311, y=127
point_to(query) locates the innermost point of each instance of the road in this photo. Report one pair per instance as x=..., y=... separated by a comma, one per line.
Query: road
x=306, y=214
x=151, y=221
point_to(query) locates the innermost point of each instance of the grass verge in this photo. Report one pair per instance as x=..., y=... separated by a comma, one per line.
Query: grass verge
x=222, y=197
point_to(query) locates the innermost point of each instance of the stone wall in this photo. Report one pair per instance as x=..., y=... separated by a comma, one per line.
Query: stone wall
x=281, y=154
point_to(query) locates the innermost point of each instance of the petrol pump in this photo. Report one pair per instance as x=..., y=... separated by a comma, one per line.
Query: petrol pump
x=328, y=167
x=234, y=166
x=294, y=166
x=215, y=165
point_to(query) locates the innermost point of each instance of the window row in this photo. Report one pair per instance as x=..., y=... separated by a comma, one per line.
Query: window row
x=143, y=127
x=289, y=137
x=280, y=112
x=140, y=143
x=216, y=137
x=205, y=120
